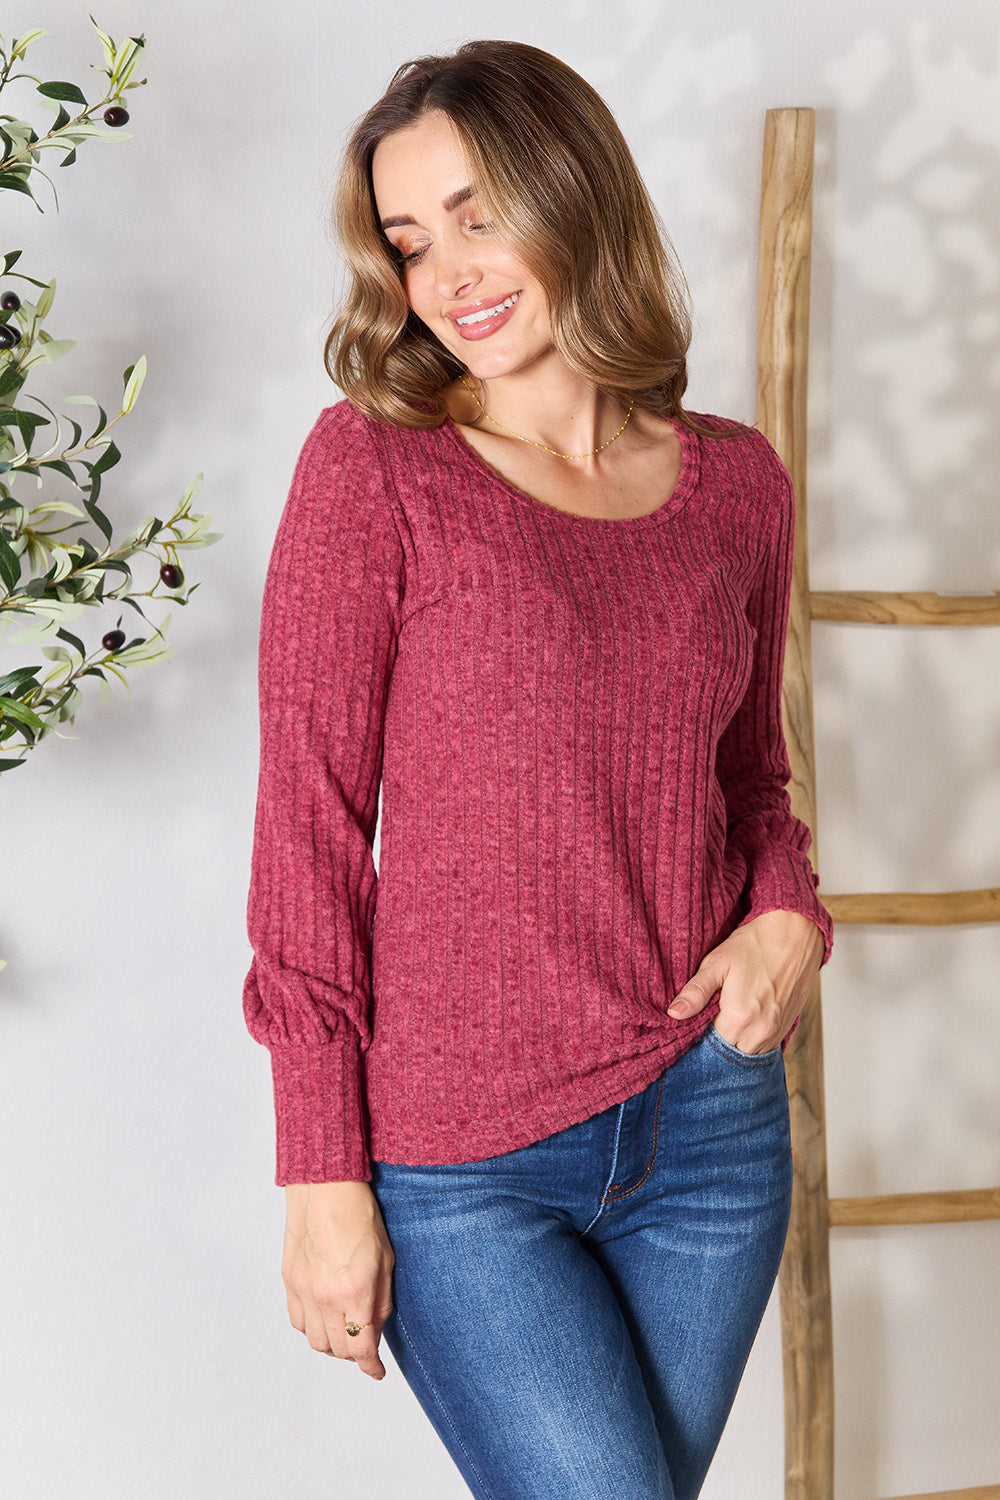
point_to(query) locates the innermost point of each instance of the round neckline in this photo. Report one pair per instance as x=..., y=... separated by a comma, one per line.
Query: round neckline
x=687, y=479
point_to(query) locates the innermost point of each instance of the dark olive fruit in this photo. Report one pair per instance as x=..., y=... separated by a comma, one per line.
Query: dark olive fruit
x=8, y=336
x=115, y=115
x=10, y=302
x=114, y=640
x=171, y=575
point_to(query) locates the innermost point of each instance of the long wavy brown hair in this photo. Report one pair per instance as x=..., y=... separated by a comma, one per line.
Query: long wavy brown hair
x=553, y=171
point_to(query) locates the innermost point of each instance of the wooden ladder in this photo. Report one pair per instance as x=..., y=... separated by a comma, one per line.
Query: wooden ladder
x=782, y=353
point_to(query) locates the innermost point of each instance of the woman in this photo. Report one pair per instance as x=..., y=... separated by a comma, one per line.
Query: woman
x=531, y=1113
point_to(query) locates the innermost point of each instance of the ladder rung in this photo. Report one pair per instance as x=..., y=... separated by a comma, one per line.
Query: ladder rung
x=966, y=1206
x=980, y=1492
x=878, y=608
x=942, y=908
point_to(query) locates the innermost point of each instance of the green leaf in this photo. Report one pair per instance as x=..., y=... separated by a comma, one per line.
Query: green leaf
x=60, y=468
x=10, y=565
x=133, y=378
x=107, y=460
x=69, y=158
x=64, y=563
x=192, y=489
x=19, y=711
x=68, y=91
x=10, y=259
x=21, y=44
x=74, y=641
x=108, y=43
x=84, y=131
x=56, y=348
x=69, y=704
x=62, y=506
x=46, y=299
x=31, y=633
x=144, y=654
x=62, y=118
x=19, y=682
x=11, y=380
x=28, y=422
x=140, y=536
x=59, y=653
x=96, y=514
x=19, y=185
x=8, y=765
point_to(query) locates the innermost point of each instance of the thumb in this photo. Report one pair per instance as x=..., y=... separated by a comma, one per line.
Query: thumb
x=698, y=991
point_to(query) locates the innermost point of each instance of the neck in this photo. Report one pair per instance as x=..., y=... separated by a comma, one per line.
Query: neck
x=563, y=412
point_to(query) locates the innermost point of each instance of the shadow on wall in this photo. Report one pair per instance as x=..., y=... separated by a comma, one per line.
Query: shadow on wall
x=904, y=475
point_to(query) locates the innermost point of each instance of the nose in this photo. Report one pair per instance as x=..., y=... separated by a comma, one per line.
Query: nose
x=456, y=268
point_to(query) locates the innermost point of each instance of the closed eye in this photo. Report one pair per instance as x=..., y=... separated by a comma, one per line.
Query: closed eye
x=416, y=255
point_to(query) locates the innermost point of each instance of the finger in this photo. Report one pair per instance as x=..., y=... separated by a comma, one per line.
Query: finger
x=695, y=995
x=361, y=1347
x=296, y=1310
x=751, y=1035
x=367, y=1356
x=316, y=1331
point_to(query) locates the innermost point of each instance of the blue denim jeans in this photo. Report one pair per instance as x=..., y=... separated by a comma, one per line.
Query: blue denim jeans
x=574, y=1316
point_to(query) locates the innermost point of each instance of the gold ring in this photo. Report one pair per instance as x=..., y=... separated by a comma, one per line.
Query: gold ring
x=355, y=1328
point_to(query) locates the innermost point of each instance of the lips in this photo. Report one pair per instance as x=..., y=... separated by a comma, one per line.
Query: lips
x=483, y=327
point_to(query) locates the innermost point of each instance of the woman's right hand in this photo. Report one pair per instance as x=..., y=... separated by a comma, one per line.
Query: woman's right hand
x=337, y=1268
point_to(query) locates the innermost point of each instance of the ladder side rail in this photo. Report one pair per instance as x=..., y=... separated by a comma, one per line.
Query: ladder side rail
x=782, y=358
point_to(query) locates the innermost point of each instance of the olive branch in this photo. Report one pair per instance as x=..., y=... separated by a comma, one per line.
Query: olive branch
x=44, y=576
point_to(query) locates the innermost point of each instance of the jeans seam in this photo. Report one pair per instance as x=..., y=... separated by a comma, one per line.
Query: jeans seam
x=614, y=1168
x=611, y=1191
x=752, y=1059
x=444, y=1410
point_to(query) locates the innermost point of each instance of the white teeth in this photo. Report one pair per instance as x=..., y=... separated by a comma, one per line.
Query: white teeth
x=488, y=312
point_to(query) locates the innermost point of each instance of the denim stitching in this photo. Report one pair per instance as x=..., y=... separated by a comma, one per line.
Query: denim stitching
x=444, y=1409
x=652, y=1155
x=743, y=1059
x=614, y=1165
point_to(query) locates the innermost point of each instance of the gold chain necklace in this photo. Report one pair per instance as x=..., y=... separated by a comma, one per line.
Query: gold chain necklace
x=542, y=445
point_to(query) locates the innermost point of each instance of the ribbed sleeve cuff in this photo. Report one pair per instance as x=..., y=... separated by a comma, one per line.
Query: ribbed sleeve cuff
x=783, y=879
x=319, y=1113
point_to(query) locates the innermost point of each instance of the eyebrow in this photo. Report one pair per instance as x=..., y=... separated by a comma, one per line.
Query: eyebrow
x=453, y=201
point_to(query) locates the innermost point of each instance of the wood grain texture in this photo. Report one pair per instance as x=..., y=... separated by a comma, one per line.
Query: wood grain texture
x=915, y=908
x=872, y=607
x=979, y=1492
x=963, y=1206
x=782, y=358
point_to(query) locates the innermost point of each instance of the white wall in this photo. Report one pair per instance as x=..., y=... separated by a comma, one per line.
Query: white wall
x=147, y=1345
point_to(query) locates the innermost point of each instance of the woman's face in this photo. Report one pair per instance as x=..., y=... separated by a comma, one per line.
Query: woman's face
x=455, y=264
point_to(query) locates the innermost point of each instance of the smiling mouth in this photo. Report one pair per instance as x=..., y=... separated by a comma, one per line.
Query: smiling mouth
x=485, y=313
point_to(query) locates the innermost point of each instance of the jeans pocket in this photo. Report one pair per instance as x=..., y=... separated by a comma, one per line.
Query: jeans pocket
x=733, y=1054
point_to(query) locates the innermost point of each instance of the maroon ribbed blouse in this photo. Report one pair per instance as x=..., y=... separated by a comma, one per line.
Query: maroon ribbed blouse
x=576, y=723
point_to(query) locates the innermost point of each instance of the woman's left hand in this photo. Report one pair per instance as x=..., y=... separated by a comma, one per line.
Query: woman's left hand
x=764, y=970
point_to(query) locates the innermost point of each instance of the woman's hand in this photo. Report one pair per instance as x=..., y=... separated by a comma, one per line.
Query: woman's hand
x=764, y=970
x=337, y=1267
